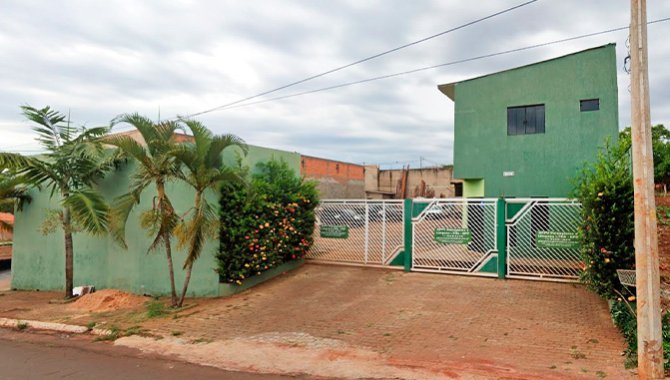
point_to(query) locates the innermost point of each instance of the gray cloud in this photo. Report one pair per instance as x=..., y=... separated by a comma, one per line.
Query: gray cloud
x=99, y=59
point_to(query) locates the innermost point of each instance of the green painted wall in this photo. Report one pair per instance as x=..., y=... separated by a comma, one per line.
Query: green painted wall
x=543, y=164
x=38, y=260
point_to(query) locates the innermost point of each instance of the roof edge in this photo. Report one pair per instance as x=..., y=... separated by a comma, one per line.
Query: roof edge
x=449, y=90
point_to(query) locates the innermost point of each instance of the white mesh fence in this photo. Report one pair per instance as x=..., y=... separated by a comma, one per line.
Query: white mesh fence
x=358, y=231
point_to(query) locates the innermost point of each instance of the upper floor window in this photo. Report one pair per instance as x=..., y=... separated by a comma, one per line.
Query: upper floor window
x=525, y=120
x=589, y=105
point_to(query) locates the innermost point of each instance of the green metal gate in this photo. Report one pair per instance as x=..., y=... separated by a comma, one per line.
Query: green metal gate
x=456, y=235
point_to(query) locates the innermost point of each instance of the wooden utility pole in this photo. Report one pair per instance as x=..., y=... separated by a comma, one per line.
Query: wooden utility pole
x=649, y=338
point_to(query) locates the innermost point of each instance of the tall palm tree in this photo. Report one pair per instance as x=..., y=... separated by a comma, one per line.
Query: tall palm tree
x=73, y=161
x=157, y=165
x=204, y=170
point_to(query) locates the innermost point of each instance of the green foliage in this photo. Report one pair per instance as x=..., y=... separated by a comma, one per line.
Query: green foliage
x=156, y=309
x=625, y=319
x=266, y=223
x=605, y=189
x=73, y=161
x=660, y=142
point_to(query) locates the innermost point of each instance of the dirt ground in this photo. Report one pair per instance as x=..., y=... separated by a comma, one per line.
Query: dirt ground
x=664, y=254
x=350, y=322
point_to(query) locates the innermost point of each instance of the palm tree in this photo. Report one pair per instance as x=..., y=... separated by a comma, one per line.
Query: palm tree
x=205, y=170
x=73, y=161
x=156, y=164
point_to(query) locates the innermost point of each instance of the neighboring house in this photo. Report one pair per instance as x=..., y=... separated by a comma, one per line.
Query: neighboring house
x=527, y=131
x=336, y=179
x=6, y=218
x=434, y=182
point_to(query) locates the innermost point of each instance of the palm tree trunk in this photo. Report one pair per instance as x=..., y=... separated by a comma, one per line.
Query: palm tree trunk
x=69, y=252
x=173, y=288
x=187, y=279
x=160, y=187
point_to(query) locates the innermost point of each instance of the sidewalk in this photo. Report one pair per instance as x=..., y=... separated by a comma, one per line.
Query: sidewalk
x=355, y=322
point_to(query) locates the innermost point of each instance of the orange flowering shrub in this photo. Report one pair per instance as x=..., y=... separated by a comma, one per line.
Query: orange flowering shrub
x=266, y=223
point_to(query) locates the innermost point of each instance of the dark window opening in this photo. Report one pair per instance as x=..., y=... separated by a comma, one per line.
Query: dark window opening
x=589, y=105
x=337, y=168
x=525, y=120
x=458, y=189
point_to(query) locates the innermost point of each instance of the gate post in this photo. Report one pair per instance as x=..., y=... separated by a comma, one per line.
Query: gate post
x=501, y=238
x=407, y=219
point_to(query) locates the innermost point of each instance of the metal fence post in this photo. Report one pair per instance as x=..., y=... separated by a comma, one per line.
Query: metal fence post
x=501, y=238
x=367, y=230
x=407, y=219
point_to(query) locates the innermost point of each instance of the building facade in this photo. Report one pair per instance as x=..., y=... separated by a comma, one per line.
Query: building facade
x=526, y=132
x=335, y=179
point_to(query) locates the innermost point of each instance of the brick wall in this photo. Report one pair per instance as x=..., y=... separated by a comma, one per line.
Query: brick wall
x=336, y=179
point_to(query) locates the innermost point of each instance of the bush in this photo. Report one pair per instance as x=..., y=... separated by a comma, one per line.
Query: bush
x=605, y=189
x=626, y=321
x=266, y=223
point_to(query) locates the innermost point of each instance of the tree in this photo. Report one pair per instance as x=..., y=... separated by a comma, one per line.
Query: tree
x=157, y=165
x=204, y=170
x=660, y=141
x=73, y=161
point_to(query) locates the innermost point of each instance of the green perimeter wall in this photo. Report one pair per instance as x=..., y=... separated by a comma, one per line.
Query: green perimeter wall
x=38, y=261
x=543, y=164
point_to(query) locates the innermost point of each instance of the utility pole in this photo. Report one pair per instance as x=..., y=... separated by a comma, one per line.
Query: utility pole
x=649, y=338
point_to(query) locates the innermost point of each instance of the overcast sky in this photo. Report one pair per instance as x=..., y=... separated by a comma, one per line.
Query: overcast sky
x=98, y=59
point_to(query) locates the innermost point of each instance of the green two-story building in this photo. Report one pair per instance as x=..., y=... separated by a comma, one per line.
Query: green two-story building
x=527, y=131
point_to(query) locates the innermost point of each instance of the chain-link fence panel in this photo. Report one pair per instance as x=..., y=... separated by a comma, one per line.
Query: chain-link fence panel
x=358, y=231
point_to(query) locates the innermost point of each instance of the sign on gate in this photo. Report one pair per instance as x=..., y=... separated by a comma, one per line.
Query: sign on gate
x=334, y=232
x=553, y=239
x=452, y=235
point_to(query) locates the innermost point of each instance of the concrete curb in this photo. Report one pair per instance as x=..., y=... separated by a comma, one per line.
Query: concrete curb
x=51, y=326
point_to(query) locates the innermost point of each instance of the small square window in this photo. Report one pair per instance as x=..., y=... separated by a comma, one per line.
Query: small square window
x=589, y=105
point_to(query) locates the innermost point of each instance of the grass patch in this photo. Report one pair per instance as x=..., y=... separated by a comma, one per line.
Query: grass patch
x=156, y=309
x=176, y=333
x=114, y=334
x=91, y=325
x=20, y=325
x=200, y=340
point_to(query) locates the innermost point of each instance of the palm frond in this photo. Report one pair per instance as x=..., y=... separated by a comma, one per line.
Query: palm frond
x=89, y=210
x=129, y=147
x=219, y=144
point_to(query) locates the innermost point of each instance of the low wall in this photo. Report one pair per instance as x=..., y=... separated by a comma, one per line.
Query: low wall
x=39, y=260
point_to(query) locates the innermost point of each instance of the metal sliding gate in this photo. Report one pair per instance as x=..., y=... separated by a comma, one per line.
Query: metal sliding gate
x=358, y=231
x=530, y=238
x=542, y=239
x=456, y=235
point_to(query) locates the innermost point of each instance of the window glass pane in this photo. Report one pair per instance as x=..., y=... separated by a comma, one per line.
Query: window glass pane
x=525, y=120
x=540, y=120
x=589, y=105
x=530, y=120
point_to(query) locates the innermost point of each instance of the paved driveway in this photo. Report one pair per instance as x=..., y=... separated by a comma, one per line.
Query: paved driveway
x=450, y=325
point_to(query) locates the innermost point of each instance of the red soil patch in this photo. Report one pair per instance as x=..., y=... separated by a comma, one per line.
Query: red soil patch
x=664, y=255
x=108, y=300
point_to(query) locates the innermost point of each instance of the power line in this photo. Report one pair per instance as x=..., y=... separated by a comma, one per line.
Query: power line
x=362, y=60
x=438, y=66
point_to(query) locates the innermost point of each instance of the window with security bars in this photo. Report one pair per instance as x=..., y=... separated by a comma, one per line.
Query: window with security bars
x=525, y=120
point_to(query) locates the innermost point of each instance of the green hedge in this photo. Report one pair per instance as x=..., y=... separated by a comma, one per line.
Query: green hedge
x=605, y=189
x=265, y=223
